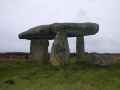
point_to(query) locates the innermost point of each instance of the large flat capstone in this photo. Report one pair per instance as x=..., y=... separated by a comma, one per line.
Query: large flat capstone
x=49, y=31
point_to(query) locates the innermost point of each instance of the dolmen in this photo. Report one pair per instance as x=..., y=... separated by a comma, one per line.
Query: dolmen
x=59, y=32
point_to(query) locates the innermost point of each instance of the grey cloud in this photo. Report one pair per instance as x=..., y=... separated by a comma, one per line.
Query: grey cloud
x=19, y=15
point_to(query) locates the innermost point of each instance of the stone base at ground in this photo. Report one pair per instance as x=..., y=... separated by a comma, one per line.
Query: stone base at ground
x=101, y=60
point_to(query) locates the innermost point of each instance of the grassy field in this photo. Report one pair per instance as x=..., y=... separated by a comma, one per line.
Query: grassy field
x=21, y=75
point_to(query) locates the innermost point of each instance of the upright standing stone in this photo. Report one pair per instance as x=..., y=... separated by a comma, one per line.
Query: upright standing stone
x=39, y=50
x=60, y=50
x=80, y=47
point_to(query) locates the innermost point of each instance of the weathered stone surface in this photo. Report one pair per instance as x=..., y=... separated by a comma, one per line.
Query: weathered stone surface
x=49, y=31
x=75, y=29
x=39, y=50
x=80, y=47
x=60, y=50
x=39, y=32
x=101, y=60
x=40, y=35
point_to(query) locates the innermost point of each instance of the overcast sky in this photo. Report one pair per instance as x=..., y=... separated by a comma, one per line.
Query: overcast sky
x=17, y=16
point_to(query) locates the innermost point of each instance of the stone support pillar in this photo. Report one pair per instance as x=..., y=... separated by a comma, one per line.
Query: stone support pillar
x=60, y=50
x=80, y=47
x=39, y=50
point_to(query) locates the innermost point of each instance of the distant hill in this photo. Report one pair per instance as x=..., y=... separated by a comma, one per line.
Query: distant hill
x=23, y=55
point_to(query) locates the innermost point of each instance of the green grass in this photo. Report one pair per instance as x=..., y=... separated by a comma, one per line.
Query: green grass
x=31, y=76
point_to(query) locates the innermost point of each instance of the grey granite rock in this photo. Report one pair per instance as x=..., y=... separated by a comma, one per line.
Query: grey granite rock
x=40, y=35
x=49, y=31
x=80, y=48
x=39, y=50
x=101, y=60
x=60, y=50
